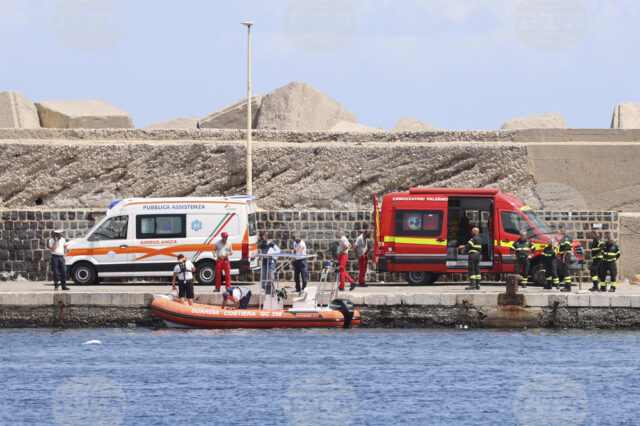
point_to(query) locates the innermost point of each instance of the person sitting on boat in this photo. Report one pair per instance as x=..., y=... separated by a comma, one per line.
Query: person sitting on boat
x=241, y=296
x=183, y=271
x=268, y=263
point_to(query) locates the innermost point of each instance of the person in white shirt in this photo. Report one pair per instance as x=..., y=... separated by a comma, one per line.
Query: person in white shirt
x=362, y=250
x=240, y=296
x=268, y=263
x=183, y=271
x=58, y=247
x=343, y=256
x=300, y=265
x=222, y=250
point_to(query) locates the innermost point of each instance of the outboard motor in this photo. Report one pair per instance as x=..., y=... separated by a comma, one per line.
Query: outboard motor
x=345, y=307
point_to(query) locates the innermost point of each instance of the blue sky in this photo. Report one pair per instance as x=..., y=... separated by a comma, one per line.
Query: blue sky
x=456, y=64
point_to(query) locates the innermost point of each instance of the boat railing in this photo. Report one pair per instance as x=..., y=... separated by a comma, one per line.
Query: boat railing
x=270, y=288
x=326, y=287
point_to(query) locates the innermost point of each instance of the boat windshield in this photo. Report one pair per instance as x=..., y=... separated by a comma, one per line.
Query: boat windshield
x=538, y=222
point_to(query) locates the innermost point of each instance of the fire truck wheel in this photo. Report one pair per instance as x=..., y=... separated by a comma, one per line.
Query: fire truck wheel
x=539, y=275
x=421, y=277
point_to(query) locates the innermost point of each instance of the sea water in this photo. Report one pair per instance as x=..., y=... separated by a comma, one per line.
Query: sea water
x=357, y=376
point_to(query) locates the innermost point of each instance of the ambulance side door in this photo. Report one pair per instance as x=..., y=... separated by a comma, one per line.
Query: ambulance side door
x=161, y=238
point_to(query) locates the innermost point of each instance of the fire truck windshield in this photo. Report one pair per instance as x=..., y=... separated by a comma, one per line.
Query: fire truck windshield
x=538, y=222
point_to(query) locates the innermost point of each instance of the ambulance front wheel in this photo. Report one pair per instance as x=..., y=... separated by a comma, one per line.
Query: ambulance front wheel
x=206, y=272
x=421, y=277
x=84, y=273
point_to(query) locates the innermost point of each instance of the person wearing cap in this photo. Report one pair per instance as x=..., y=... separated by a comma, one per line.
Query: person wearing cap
x=221, y=252
x=58, y=247
x=268, y=263
x=362, y=249
x=183, y=271
x=300, y=265
x=240, y=296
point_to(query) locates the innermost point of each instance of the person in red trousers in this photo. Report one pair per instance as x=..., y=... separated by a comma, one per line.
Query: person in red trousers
x=343, y=256
x=221, y=252
x=362, y=250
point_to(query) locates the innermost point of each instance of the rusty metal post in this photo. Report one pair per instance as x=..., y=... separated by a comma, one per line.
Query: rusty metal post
x=512, y=297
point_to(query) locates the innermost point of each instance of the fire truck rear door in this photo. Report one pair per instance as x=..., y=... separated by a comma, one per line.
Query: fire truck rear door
x=421, y=233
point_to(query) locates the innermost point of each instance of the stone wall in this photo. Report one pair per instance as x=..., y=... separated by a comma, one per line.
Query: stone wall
x=25, y=232
x=551, y=169
x=23, y=246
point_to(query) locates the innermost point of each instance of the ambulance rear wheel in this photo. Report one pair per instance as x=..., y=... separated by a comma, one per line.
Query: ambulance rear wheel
x=84, y=274
x=206, y=273
x=421, y=277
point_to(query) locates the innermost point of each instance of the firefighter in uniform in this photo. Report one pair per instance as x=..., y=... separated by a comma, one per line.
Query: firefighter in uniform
x=523, y=249
x=596, y=259
x=473, y=247
x=549, y=256
x=610, y=253
x=565, y=247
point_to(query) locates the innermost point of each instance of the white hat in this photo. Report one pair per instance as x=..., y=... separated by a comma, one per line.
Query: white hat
x=58, y=231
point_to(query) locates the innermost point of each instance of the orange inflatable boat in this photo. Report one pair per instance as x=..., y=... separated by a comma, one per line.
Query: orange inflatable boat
x=339, y=313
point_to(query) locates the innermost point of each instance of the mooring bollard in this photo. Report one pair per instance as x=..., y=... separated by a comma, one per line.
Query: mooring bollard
x=512, y=297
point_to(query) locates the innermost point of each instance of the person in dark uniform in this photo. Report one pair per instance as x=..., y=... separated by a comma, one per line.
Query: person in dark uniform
x=596, y=259
x=549, y=256
x=473, y=247
x=523, y=249
x=610, y=254
x=240, y=296
x=565, y=248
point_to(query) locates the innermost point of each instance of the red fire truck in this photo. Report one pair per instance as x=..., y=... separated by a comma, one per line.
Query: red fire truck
x=418, y=232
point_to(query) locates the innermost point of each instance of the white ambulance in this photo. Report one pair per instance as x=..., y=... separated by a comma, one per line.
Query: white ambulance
x=142, y=237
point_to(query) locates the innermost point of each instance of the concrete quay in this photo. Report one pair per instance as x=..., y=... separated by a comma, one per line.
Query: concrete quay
x=36, y=304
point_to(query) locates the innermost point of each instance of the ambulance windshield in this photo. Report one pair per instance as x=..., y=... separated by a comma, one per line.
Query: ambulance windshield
x=538, y=222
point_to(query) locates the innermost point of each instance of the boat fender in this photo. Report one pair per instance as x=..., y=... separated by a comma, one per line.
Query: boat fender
x=345, y=307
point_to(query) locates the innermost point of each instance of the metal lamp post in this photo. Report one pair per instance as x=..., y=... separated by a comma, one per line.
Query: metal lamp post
x=249, y=160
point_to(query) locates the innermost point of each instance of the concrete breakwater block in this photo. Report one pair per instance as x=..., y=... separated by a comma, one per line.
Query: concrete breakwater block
x=538, y=121
x=347, y=126
x=406, y=124
x=536, y=300
x=178, y=123
x=299, y=106
x=599, y=300
x=82, y=114
x=26, y=299
x=233, y=116
x=123, y=300
x=626, y=116
x=578, y=300
x=17, y=112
